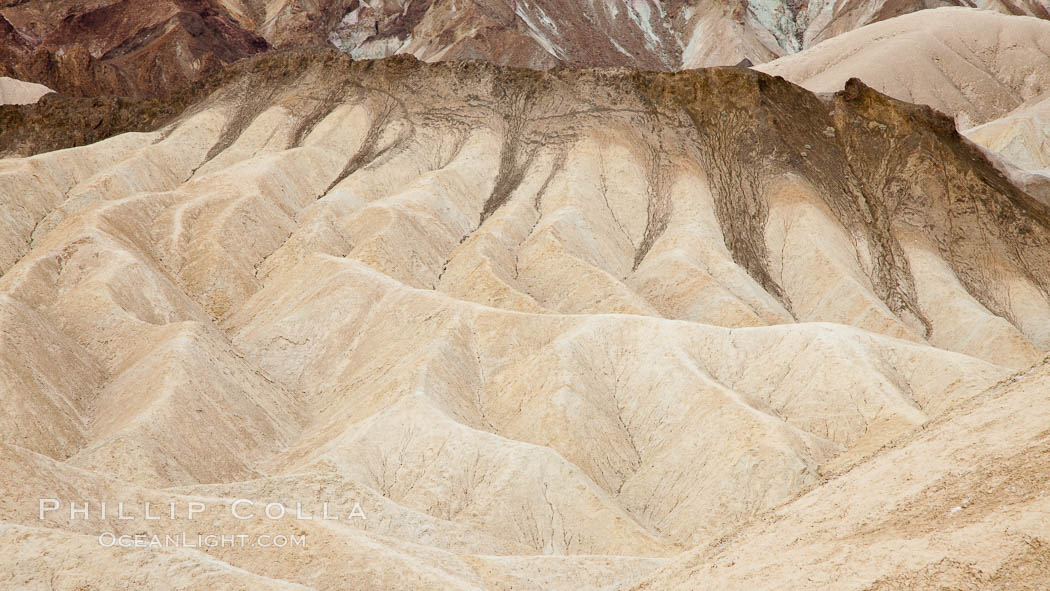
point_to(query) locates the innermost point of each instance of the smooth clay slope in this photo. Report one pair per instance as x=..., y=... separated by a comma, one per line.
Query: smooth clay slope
x=963, y=506
x=1020, y=145
x=548, y=329
x=975, y=65
x=16, y=92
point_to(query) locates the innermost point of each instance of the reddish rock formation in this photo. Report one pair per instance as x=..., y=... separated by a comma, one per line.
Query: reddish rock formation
x=123, y=48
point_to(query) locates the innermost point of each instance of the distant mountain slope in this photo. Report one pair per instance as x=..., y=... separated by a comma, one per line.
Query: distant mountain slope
x=825, y=19
x=1021, y=140
x=538, y=34
x=94, y=47
x=651, y=34
x=1022, y=136
x=124, y=48
x=974, y=64
x=16, y=92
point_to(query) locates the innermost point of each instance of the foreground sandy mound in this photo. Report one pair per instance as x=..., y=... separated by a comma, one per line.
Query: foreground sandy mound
x=962, y=505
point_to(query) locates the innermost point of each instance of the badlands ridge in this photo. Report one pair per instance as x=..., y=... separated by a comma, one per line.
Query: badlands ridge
x=147, y=49
x=576, y=329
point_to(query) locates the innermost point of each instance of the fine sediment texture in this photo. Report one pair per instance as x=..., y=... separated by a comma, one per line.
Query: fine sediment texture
x=548, y=329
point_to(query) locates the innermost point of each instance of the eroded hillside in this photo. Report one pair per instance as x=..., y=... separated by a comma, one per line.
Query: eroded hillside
x=548, y=328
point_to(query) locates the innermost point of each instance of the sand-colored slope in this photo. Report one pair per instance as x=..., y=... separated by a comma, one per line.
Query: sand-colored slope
x=831, y=18
x=338, y=553
x=551, y=329
x=16, y=92
x=976, y=65
x=1020, y=142
x=961, y=505
x=1022, y=137
x=611, y=392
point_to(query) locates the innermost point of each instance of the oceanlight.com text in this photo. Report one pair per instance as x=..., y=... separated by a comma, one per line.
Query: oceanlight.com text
x=183, y=540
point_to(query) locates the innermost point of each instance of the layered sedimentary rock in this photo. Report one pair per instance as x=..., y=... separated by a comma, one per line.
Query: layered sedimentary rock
x=548, y=330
